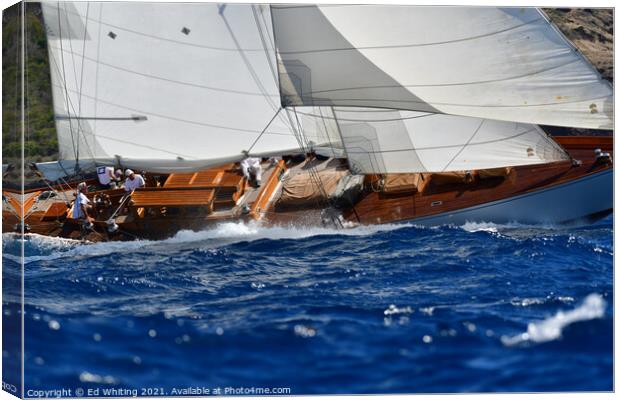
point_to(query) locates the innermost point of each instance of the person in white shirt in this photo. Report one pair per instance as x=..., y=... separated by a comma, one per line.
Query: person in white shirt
x=133, y=181
x=108, y=179
x=252, y=170
x=81, y=206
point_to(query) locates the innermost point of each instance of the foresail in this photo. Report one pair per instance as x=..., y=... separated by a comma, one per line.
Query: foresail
x=506, y=64
x=392, y=141
x=164, y=86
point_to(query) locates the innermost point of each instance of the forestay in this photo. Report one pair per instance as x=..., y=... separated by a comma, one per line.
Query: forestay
x=164, y=86
x=506, y=64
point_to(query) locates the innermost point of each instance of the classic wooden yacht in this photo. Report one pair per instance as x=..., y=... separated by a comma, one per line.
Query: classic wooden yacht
x=391, y=114
x=569, y=191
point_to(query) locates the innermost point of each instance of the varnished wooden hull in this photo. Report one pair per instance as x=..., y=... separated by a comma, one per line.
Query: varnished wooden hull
x=573, y=195
x=582, y=199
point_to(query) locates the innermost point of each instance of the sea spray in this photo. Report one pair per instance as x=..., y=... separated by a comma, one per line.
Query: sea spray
x=551, y=328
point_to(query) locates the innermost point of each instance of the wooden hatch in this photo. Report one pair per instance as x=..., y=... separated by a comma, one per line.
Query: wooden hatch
x=228, y=184
x=156, y=197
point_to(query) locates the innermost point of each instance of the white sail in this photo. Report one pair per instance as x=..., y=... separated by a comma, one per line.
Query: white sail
x=382, y=141
x=165, y=86
x=506, y=64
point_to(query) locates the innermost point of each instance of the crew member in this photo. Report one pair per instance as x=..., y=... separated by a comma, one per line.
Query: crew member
x=108, y=178
x=81, y=206
x=133, y=181
x=252, y=170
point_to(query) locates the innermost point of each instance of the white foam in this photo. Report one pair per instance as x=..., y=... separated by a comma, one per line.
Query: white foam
x=492, y=227
x=480, y=227
x=223, y=234
x=551, y=328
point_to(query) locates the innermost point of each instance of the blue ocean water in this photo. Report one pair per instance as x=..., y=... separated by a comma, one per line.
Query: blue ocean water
x=384, y=309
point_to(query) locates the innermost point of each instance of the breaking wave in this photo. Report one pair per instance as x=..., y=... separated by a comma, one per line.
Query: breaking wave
x=48, y=248
x=551, y=328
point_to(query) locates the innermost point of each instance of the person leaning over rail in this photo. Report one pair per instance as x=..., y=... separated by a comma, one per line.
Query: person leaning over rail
x=133, y=181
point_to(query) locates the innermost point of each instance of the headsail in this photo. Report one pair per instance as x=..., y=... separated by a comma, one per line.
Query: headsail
x=165, y=86
x=506, y=64
x=382, y=141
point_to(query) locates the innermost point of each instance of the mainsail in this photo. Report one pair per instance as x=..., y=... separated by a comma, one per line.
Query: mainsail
x=506, y=64
x=164, y=86
x=171, y=87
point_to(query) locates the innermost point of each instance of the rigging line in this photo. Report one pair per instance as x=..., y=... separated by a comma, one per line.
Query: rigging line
x=263, y=42
x=240, y=130
x=350, y=201
x=268, y=30
x=249, y=66
x=327, y=132
x=323, y=102
x=98, y=62
x=369, y=120
x=299, y=143
x=313, y=171
x=164, y=39
x=283, y=7
x=82, y=65
x=142, y=145
x=70, y=105
x=80, y=127
x=374, y=161
x=264, y=129
x=363, y=109
x=64, y=76
x=552, y=142
x=422, y=85
x=68, y=100
x=97, y=68
x=464, y=146
x=134, y=118
x=452, y=146
x=400, y=46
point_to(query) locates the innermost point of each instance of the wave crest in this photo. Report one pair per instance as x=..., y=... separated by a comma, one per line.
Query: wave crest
x=551, y=328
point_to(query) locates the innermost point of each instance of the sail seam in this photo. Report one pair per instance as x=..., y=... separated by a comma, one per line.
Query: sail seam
x=465, y=145
x=184, y=120
x=460, y=105
x=399, y=46
x=368, y=120
x=119, y=68
x=450, y=146
x=202, y=46
x=451, y=84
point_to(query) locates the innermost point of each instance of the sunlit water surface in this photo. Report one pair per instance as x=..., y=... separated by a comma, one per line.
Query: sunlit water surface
x=394, y=308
